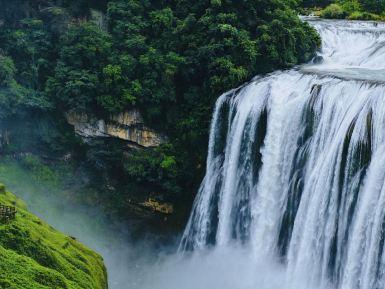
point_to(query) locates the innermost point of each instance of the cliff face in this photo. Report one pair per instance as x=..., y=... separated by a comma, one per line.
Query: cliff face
x=128, y=126
x=33, y=255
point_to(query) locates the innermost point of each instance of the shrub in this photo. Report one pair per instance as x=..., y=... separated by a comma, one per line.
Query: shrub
x=364, y=16
x=374, y=6
x=351, y=6
x=39, y=170
x=334, y=11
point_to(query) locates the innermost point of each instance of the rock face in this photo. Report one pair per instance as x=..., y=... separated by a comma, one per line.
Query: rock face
x=128, y=126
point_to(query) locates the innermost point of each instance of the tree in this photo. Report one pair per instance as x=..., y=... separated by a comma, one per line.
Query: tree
x=374, y=6
x=77, y=82
x=11, y=93
x=171, y=59
x=316, y=3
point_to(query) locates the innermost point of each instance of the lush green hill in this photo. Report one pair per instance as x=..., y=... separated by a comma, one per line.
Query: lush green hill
x=34, y=255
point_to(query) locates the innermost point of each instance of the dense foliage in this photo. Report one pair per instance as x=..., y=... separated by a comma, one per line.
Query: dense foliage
x=171, y=59
x=355, y=9
x=315, y=3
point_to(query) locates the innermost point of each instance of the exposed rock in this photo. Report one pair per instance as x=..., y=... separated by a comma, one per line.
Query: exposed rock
x=128, y=126
x=157, y=206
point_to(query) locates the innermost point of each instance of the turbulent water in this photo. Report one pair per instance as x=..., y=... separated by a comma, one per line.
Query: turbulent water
x=296, y=170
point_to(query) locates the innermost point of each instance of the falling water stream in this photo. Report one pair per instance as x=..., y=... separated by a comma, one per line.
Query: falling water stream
x=296, y=167
x=294, y=193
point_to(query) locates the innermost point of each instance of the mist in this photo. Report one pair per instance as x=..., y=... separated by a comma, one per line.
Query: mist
x=225, y=268
x=126, y=260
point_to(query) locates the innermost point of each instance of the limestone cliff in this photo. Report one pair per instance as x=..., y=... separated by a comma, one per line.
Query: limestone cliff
x=128, y=126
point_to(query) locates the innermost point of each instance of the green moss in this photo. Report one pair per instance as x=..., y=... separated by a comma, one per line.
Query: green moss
x=33, y=255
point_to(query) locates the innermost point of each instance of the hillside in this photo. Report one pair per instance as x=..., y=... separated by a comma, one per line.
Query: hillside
x=35, y=256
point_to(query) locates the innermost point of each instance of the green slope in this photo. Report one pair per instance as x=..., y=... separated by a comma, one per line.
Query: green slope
x=33, y=255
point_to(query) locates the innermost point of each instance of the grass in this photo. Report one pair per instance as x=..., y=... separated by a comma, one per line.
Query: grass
x=33, y=255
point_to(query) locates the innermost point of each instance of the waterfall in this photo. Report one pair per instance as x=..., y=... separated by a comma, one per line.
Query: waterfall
x=296, y=166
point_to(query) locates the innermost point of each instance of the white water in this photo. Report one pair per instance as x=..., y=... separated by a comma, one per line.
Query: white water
x=296, y=173
x=294, y=194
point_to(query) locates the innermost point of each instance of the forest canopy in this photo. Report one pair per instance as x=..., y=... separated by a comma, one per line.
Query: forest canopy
x=171, y=59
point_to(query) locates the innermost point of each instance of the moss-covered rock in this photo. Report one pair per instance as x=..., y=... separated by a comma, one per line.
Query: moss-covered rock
x=33, y=255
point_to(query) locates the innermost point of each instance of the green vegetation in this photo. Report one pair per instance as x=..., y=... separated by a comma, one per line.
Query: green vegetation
x=355, y=10
x=35, y=256
x=315, y=3
x=334, y=11
x=170, y=59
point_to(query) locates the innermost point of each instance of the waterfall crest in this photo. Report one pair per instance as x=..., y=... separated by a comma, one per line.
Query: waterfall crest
x=296, y=166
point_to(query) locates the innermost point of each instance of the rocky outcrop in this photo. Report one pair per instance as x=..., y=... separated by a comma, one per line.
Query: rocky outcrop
x=128, y=126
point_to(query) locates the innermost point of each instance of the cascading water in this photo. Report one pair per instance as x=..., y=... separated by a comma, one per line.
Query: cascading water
x=296, y=166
